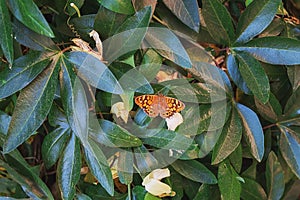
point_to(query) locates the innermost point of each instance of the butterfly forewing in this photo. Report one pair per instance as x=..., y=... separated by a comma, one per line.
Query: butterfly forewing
x=159, y=104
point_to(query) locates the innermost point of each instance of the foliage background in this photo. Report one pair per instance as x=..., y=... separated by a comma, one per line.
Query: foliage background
x=254, y=47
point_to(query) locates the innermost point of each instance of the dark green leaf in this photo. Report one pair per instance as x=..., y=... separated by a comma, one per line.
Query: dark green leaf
x=270, y=110
x=256, y=17
x=5, y=120
x=236, y=158
x=252, y=131
x=186, y=11
x=68, y=169
x=22, y=173
x=254, y=76
x=195, y=171
x=274, y=177
x=292, y=107
x=107, y=22
x=29, y=14
x=138, y=192
x=251, y=190
x=273, y=50
x=23, y=71
x=207, y=141
x=294, y=76
x=32, y=107
x=99, y=167
x=145, y=161
x=83, y=197
x=151, y=64
x=84, y=24
x=229, y=140
x=110, y=134
x=218, y=21
x=53, y=145
x=95, y=72
x=290, y=150
x=149, y=196
x=6, y=36
x=208, y=192
x=228, y=182
x=233, y=70
x=128, y=36
x=168, y=46
x=125, y=167
x=124, y=6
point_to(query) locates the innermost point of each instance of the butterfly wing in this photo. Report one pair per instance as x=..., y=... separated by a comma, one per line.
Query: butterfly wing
x=171, y=106
x=149, y=104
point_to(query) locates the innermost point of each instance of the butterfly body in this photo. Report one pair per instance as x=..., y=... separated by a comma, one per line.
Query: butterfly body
x=154, y=105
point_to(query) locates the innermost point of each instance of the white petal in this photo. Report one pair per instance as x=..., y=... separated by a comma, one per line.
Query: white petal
x=174, y=121
x=120, y=111
x=157, y=188
x=159, y=174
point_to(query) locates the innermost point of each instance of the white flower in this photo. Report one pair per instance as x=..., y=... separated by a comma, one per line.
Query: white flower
x=174, y=121
x=154, y=186
x=120, y=111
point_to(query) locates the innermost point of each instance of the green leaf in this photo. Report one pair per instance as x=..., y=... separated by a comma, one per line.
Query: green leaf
x=254, y=76
x=236, y=158
x=228, y=182
x=112, y=135
x=29, y=14
x=218, y=21
x=31, y=39
x=128, y=37
x=207, y=141
x=274, y=178
x=125, y=167
x=151, y=64
x=145, y=161
x=118, y=6
x=251, y=190
x=53, y=146
x=252, y=131
x=5, y=120
x=290, y=150
x=68, y=169
x=149, y=196
x=229, y=140
x=186, y=11
x=294, y=76
x=32, y=107
x=23, y=71
x=195, y=171
x=292, y=106
x=99, y=167
x=273, y=50
x=168, y=46
x=270, y=110
x=138, y=192
x=208, y=192
x=22, y=173
x=6, y=36
x=233, y=71
x=256, y=17
x=95, y=72
x=107, y=22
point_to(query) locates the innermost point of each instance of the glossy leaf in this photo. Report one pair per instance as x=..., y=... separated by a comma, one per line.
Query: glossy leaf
x=168, y=46
x=6, y=36
x=99, y=167
x=186, y=11
x=124, y=7
x=151, y=64
x=252, y=131
x=23, y=71
x=128, y=37
x=112, y=135
x=125, y=167
x=273, y=50
x=228, y=182
x=292, y=107
x=270, y=110
x=145, y=161
x=294, y=76
x=251, y=190
x=236, y=158
x=95, y=72
x=229, y=140
x=233, y=70
x=207, y=141
x=208, y=192
x=274, y=177
x=22, y=173
x=254, y=76
x=29, y=14
x=53, y=146
x=218, y=21
x=32, y=107
x=195, y=171
x=290, y=150
x=256, y=17
x=5, y=120
x=68, y=169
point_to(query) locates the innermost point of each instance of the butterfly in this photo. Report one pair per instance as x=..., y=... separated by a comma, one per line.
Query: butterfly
x=154, y=105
